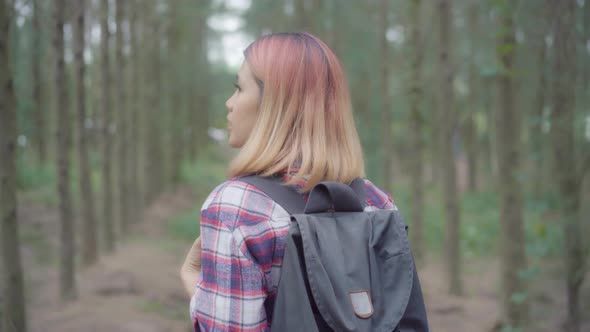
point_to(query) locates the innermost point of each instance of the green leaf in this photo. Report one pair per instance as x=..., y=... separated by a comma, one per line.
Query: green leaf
x=528, y=273
x=518, y=297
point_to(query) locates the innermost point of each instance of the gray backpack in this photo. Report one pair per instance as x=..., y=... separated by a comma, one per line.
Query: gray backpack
x=344, y=269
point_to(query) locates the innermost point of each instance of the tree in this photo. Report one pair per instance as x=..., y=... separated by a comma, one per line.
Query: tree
x=89, y=243
x=107, y=153
x=568, y=175
x=201, y=100
x=385, y=96
x=415, y=94
x=471, y=138
x=134, y=119
x=447, y=119
x=12, y=294
x=302, y=17
x=154, y=154
x=175, y=70
x=67, y=270
x=40, y=116
x=123, y=124
x=509, y=155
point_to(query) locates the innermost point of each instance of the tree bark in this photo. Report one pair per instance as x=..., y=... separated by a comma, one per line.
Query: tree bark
x=134, y=123
x=12, y=313
x=302, y=22
x=122, y=127
x=107, y=153
x=67, y=250
x=89, y=243
x=177, y=120
x=471, y=136
x=509, y=156
x=387, y=145
x=537, y=137
x=417, y=124
x=200, y=114
x=154, y=162
x=38, y=105
x=563, y=146
x=447, y=123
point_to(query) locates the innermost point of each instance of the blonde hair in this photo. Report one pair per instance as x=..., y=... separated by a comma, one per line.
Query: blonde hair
x=305, y=114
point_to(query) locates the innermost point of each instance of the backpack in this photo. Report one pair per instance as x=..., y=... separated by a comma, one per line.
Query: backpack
x=343, y=269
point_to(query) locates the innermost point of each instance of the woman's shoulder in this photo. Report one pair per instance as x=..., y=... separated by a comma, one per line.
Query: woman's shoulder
x=234, y=192
x=378, y=198
x=241, y=197
x=237, y=198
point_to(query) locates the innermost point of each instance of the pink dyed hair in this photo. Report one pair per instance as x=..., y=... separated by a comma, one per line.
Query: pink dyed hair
x=305, y=114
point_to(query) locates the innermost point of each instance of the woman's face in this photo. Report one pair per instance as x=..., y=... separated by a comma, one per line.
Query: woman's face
x=242, y=107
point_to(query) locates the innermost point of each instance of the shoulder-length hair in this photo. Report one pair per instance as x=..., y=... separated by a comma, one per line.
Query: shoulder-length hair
x=305, y=116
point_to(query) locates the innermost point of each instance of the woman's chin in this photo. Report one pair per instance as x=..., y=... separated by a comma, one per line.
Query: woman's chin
x=233, y=143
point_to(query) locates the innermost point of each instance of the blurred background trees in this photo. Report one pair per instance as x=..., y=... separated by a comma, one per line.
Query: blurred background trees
x=473, y=114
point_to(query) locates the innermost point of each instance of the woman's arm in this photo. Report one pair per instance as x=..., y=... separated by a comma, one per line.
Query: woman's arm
x=232, y=292
x=190, y=272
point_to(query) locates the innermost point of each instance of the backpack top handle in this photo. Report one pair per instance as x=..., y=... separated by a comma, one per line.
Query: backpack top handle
x=328, y=195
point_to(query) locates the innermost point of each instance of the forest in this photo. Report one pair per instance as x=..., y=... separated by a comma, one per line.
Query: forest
x=473, y=114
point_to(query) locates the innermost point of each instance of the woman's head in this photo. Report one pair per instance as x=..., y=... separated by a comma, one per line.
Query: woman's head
x=297, y=111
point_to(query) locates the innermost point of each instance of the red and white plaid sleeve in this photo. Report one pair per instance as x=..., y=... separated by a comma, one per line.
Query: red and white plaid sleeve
x=232, y=291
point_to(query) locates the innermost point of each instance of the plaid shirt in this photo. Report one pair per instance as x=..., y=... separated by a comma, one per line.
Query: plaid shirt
x=243, y=235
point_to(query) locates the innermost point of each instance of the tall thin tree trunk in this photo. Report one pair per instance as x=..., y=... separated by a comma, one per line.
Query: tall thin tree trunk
x=177, y=121
x=200, y=115
x=487, y=92
x=562, y=134
x=509, y=156
x=538, y=116
x=89, y=243
x=107, y=155
x=387, y=147
x=122, y=130
x=37, y=85
x=302, y=22
x=154, y=162
x=417, y=123
x=447, y=122
x=471, y=137
x=586, y=39
x=67, y=251
x=134, y=123
x=12, y=313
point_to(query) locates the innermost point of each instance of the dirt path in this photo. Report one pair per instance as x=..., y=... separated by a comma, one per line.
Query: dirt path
x=137, y=288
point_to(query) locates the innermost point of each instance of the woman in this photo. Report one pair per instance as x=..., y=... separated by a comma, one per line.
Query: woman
x=289, y=115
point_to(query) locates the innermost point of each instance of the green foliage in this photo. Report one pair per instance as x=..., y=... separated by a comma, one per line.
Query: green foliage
x=544, y=237
x=508, y=328
x=33, y=175
x=174, y=311
x=519, y=297
x=480, y=224
x=204, y=175
x=208, y=171
x=185, y=226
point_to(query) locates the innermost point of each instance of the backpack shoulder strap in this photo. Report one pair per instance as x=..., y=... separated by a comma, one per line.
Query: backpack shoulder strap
x=285, y=196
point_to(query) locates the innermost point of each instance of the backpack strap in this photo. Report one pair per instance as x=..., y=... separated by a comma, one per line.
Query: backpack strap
x=288, y=198
x=348, y=198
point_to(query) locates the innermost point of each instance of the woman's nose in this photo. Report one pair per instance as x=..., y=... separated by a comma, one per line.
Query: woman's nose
x=229, y=104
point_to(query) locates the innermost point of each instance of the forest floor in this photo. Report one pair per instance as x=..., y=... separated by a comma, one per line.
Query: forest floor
x=137, y=288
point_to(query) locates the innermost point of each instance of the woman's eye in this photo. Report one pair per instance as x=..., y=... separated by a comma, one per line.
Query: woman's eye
x=237, y=87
